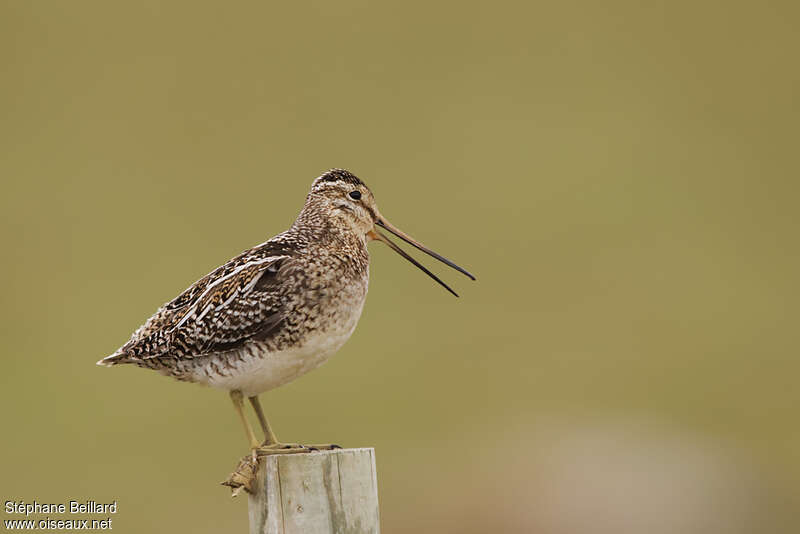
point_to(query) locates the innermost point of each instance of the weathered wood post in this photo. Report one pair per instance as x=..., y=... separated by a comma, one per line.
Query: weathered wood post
x=323, y=492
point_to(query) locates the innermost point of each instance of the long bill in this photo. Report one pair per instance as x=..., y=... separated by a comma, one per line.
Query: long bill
x=383, y=223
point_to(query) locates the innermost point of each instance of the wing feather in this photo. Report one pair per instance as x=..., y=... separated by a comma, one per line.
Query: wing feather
x=221, y=311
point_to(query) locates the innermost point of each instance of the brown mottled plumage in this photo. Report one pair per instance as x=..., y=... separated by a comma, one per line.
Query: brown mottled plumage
x=277, y=310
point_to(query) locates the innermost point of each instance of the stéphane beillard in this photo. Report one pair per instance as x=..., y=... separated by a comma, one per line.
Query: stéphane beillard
x=92, y=507
x=71, y=507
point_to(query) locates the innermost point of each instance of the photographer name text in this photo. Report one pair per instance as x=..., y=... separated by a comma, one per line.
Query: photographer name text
x=49, y=523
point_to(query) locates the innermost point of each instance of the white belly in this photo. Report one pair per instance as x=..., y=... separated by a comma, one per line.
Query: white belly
x=259, y=370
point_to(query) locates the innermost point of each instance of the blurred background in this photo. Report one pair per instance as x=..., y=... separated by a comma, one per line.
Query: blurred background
x=622, y=178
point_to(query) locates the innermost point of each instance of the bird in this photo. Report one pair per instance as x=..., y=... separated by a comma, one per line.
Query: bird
x=277, y=310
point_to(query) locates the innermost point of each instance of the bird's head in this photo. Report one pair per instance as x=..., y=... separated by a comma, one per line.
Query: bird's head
x=344, y=198
x=348, y=201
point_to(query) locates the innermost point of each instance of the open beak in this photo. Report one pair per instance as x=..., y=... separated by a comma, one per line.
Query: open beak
x=383, y=223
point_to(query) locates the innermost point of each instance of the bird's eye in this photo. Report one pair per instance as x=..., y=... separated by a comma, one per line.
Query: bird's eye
x=355, y=195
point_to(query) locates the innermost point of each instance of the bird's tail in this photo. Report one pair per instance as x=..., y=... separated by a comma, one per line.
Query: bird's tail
x=114, y=359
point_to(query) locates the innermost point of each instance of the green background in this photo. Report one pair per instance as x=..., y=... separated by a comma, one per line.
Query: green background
x=622, y=177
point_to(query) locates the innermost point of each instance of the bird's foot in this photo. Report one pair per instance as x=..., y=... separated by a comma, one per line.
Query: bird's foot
x=268, y=449
x=243, y=477
x=323, y=446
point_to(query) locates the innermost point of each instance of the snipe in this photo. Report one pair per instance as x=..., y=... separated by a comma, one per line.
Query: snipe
x=277, y=310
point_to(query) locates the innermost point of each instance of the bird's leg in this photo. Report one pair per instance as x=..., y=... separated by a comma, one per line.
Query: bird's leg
x=238, y=404
x=269, y=435
x=271, y=444
x=244, y=476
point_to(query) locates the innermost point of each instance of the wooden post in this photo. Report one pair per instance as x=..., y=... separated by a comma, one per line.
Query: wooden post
x=325, y=492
